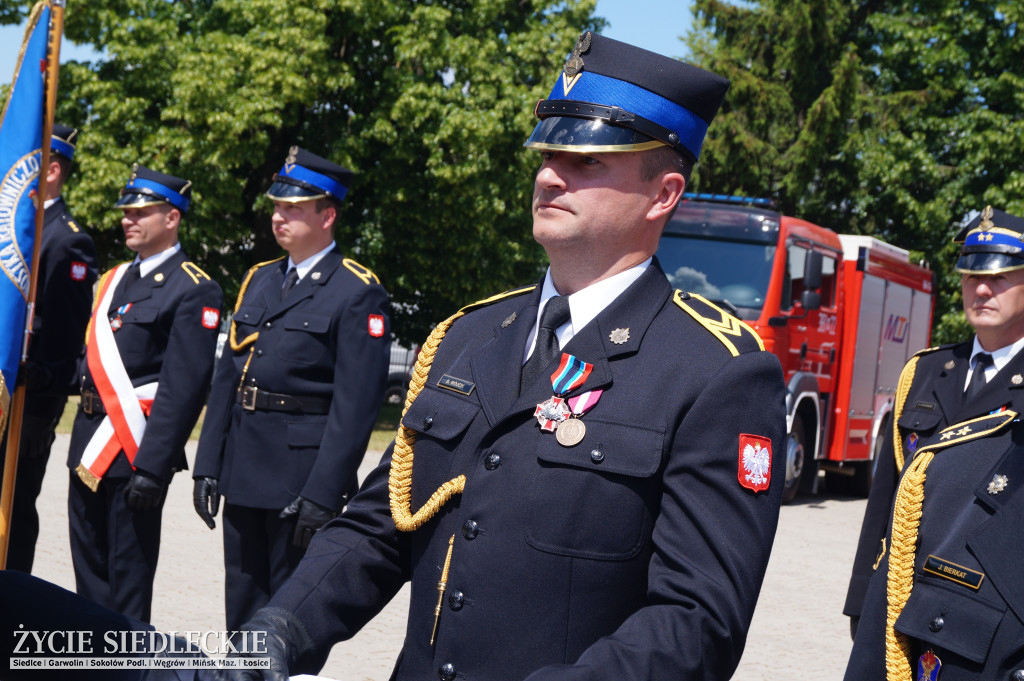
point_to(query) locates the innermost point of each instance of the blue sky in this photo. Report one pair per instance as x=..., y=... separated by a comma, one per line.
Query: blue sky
x=652, y=24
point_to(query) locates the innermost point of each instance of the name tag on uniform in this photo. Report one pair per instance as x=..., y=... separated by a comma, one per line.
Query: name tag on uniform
x=459, y=385
x=953, y=572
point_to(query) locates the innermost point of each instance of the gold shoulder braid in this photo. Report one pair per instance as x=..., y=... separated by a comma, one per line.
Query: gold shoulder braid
x=250, y=339
x=902, y=390
x=400, y=479
x=906, y=520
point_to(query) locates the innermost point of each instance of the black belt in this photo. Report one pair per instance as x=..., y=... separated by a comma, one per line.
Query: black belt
x=91, y=402
x=252, y=398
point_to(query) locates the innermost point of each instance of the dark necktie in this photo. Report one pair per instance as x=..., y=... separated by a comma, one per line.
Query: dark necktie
x=978, y=380
x=556, y=313
x=289, y=282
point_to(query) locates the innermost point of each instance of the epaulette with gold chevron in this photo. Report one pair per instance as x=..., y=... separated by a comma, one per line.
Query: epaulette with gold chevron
x=194, y=273
x=733, y=333
x=362, y=272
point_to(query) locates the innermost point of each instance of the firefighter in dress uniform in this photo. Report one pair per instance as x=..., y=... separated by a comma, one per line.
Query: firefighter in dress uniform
x=67, y=272
x=147, y=368
x=606, y=509
x=945, y=600
x=297, y=391
x=937, y=391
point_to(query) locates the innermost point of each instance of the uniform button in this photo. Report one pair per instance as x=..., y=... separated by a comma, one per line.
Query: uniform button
x=492, y=461
x=259, y=353
x=936, y=624
x=456, y=600
x=267, y=325
x=1018, y=675
x=470, y=529
x=446, y=672
x=427, y=422
x=305, y=324
x=596, y=455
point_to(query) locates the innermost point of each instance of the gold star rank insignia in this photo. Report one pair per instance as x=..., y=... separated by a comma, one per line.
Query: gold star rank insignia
x=964, y=431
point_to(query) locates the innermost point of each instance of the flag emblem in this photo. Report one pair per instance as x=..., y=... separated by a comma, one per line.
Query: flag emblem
x=755, y=462
x=78, y=271
x=376, y=325
x=211, y=317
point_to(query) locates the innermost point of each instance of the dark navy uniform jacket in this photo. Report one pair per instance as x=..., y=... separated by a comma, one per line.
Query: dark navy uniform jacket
x=67, y=272
x=635, y=554
x=967, y=601
x=329, y=339
x=169, y=334
x=935, y=400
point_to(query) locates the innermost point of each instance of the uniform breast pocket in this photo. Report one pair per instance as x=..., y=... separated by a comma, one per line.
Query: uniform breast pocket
x=950, y=617
x=138, y=327
x=247, y=320
x=438, y=420
x=597, y=498
x=305, y=340
x=919, y=419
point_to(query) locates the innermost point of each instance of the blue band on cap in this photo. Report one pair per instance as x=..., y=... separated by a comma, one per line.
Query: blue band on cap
x=172, y=197
x=303, y=174
x=593, y=87
x=993, y=238
x=61, y=147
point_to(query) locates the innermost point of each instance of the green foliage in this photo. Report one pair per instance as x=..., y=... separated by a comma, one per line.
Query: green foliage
x=896, y=119
x=429, y=102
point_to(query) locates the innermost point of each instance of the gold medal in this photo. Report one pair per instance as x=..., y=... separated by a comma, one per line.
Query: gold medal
x=570, y=432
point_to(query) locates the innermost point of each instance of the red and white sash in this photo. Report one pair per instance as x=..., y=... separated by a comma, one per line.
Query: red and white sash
x=126, y=405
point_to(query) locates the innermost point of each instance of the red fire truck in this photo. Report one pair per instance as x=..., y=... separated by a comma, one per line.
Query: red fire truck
x=842, y=313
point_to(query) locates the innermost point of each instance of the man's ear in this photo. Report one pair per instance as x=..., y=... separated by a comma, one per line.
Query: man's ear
x=330, y=214
x=670, y=191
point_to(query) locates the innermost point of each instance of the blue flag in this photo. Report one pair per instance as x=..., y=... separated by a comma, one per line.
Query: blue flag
x=21, y=133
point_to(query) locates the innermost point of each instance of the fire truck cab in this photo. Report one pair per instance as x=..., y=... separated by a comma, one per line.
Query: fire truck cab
x=842, y=313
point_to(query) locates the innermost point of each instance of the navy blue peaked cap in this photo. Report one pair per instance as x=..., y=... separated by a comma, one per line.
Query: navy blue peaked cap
x=148, y=188
x=993, y=242
x=63, y=140
x=612, y=96
x=305, y=176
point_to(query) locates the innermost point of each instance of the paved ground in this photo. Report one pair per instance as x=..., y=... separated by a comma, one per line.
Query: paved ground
x=798, y=632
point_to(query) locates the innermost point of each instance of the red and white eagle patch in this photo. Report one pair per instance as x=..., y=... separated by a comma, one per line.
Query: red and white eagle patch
x=78, y=270
x=376, y=325
x=755, y=462
x=211, y=317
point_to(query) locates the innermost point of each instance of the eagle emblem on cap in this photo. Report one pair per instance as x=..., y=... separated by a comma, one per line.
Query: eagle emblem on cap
x=986, y=219
x=135, y=173
x=574, y=64
x=290, y=161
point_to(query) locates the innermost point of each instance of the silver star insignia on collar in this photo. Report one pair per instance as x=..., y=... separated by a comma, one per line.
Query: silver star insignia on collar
x=619, y=336
x=997, y=484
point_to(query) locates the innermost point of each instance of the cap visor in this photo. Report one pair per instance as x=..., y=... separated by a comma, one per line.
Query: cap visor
x=585, y=135
x=134, y=200
x=291, y=193
x=988, y=263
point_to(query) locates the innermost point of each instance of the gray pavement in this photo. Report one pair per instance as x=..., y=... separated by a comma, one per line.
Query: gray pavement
x=798, y=632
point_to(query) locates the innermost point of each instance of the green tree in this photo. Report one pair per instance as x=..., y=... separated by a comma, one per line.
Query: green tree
x=895, y=119
x=429, y=102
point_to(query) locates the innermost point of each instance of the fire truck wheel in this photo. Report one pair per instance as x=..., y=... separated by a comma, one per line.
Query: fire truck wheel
x=795, y=460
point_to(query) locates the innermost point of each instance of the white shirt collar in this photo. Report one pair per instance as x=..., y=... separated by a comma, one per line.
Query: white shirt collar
x=306, y=265
x=585, y=304
x=1000, y=358
x=152, y=262
x=49, y=202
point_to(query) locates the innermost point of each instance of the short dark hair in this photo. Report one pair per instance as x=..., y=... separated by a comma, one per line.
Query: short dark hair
x=325, y=202
x=664, y=159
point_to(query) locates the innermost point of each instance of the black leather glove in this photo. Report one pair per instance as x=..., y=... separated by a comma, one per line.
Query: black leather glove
x=144, y=491
x=34, y=376
x=286, y=640
x=206, y=499
x=311, y=517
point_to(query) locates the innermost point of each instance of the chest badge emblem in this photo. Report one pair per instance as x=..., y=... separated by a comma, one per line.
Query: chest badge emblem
x=997, y=484
x=619, y=336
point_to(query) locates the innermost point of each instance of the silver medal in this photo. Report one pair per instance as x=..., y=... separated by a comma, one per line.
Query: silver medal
x=570, y=432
